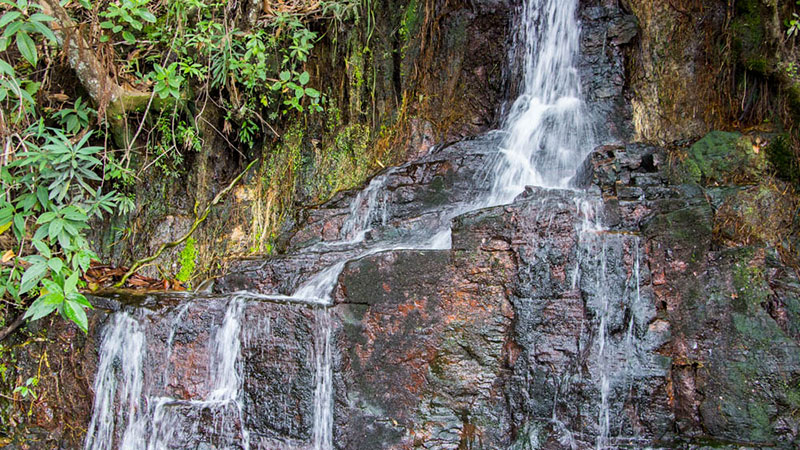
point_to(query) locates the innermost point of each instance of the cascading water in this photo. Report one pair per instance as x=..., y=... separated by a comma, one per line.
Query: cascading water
x=547, y=136
x=118, y=380
x=144, y=419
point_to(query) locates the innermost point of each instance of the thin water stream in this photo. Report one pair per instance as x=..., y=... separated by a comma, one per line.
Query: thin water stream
x=547, y=136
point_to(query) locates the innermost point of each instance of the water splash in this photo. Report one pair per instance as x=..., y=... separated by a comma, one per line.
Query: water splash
x=128, y=417
x=119, y=380
x=370, y=204
x=323, y=391
x=548, y=133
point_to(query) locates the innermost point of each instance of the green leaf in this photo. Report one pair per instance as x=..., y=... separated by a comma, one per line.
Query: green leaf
x=9, y=17
x=43, y=306
x=71, y=285
x=129, y=38
x=6, y=67
x=285, y=75
x=55, y=264
x=46, y=32
x=46, y=217
x=19, y=225
x=41, y=194
x=31, y=277
x=313, y=93
x=74, y=312
x=43, y=249
x=27, y=47
x=304, y=78
x=55, y=228
x=146, y=15
x=73, y=213
x=64, y=241
x=81, y=300
x=39, y=17
x=52, y=287
x=12, y=28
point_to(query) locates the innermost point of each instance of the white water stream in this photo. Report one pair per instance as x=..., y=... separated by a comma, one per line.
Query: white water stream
x=547, y=137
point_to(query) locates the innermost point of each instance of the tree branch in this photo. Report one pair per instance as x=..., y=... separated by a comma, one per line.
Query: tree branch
x=93, y=75
x=197, y=221
x=13, y=327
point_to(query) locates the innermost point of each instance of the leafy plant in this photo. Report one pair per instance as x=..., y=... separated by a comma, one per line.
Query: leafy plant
x=188, y=259
x=20, y=23
x=54, y=195
x=793, y=24
x=26, y=389
x=124, y=16
x=294, y=85
x=168, y=81
x=15, y=91
x=76, y=118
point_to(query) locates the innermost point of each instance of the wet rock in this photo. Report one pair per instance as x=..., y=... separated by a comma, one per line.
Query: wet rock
x=424, y=342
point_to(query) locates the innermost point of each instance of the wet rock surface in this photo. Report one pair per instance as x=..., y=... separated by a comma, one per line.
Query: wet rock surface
x=614, y=317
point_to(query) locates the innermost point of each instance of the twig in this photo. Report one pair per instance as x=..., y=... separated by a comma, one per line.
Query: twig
x=13, y=327
x=197, y=221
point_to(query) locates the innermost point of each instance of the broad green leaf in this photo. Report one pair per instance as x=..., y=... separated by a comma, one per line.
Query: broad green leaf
x=43, y=249
x=31, y=277
x=39, y=17
x=304, y=78
x=71, y=285
x=19, y=225
x=285, y=75
x=146, y=15
x=12, y=28
x=55, y=228
x=64, y=241
x=9, y=17
x=313, y=93
x=72, y=213
x=46, y=217
x=52, y=287
x=55, y=264
x=41, y=233
x=27, y=47
x=129, y=37
x=80, y=299
x=45, y=31
x=43, y=306
x=41, y=194
x=74, y=312
x=6, y=68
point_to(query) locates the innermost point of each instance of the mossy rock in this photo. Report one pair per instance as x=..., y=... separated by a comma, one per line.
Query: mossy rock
x=721, y=157
x=761, y=214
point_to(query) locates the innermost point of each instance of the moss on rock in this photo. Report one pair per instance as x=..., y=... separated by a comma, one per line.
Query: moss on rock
x=721, y=157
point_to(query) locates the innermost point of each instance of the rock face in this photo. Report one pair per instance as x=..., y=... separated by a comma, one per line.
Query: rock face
x=631, y=313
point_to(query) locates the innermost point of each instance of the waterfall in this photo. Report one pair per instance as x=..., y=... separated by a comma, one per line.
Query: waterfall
x=547, y=136
x=130, y=417
x=547, y=131
x=119, y=379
